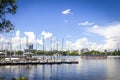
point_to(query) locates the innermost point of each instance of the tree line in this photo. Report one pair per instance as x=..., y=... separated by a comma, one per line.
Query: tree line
x=65, y=53
x=105, y=52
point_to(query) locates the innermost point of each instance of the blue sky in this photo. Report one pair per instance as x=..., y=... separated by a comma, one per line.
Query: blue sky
x=79, y=17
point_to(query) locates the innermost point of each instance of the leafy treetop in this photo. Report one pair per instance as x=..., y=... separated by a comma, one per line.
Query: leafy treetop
x=7, y=7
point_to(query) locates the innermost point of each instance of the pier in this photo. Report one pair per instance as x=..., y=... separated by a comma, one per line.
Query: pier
x=17, y=61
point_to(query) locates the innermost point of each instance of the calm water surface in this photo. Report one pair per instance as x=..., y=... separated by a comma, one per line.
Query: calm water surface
x=87, y=69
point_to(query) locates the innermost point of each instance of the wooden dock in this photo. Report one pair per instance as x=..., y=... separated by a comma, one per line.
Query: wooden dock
x=46, y=62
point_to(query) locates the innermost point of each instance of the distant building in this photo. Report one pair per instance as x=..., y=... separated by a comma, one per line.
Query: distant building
x=30, y=46
x=84, y=50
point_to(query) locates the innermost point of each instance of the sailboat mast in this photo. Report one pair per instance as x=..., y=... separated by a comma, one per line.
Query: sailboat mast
x=36, y=42
x=36, y=45
x=20, y=43
x=62, y=43
x=57, y=44
x=51, y=44
x=43, y=44
x=27, y=42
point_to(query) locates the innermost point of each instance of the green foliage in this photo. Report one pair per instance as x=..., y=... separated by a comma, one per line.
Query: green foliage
x=49, y=53
x=19, y=52
x=115, y=52
x=94, y=52
x=14, y=79
x=19, y=78
x=33, y=51
x=7, y=7
x=68, y=53
x=72, y=53
x=2, y=78
x=63, y=52
x=22, y=78
x=39, y=52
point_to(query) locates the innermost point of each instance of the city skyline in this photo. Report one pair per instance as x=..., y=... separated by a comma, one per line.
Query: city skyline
x=81, y=23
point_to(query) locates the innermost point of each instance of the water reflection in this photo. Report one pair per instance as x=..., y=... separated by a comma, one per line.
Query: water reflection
x=113, y=70
x=87, y=69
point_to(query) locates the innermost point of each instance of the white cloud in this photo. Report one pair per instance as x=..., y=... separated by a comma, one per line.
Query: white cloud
x=80, y=44
x=86, y=23
x=46, y=35
x=31, y=37
x=17, y=33
x=84, y=43
x=112, y=31
x=95, y=27
x=39, y=41
x=17, y=40
x=67, y=11
x=111, y=34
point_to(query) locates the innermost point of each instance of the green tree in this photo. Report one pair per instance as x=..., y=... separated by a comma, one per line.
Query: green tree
x=2, y=78
x=19, y=52
x=13, y=79
x=94, y=52
x=68, y=52
x=39, y=52
x=22, y=78
x=74, y=53
x=33, y=51
x=7, y=7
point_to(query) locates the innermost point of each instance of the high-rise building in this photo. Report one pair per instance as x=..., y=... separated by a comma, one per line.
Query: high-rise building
x=30, y=46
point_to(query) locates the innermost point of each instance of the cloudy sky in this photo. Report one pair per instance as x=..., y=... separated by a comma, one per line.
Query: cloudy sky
x=93, y=24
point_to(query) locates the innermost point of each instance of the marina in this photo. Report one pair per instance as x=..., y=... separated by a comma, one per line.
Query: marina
x=59, y=40
x=86, y=69
x=55, y=61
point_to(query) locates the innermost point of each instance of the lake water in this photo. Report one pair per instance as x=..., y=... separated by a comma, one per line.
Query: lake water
x=87, y=69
